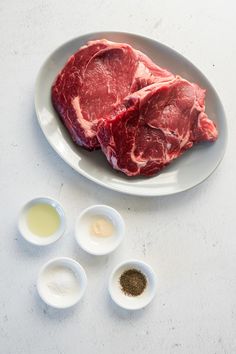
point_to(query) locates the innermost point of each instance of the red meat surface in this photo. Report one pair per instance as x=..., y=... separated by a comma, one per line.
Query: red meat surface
x=95, y=80
x=154, y=126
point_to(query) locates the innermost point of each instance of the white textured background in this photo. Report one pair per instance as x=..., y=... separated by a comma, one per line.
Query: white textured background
x=189, y=239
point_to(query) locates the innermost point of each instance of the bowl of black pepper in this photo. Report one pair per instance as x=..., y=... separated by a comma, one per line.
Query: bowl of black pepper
x=132, y=284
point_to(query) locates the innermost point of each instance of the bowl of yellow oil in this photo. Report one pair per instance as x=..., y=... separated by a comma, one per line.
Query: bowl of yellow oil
x=42, y=221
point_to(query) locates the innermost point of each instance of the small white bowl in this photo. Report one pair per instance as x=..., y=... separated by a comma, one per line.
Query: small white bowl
x=99, y=245
x=31, y=237
x=58, y=300
x=132, y=302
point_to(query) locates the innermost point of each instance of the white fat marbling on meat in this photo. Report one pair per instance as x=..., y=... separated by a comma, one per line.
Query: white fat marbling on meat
x=85, y=124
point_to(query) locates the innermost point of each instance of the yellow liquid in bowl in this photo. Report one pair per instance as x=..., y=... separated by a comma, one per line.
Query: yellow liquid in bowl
x=43, y=220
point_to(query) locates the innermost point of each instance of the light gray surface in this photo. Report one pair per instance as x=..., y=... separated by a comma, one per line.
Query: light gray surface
x=189, y=170
x=189, y=239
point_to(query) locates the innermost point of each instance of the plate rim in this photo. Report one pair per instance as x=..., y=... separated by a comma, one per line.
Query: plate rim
x=142, y=193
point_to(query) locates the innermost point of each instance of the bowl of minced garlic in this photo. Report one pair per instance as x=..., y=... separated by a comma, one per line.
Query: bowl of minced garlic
x=99, y=229
x=132, y=284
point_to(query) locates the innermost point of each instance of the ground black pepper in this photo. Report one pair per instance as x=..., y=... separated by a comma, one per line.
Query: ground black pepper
x=133, y=282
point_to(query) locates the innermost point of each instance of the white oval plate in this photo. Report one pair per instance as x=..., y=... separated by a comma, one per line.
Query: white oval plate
x=185, y=172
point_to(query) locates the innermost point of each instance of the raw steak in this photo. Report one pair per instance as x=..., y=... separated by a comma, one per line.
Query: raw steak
x=154, y=126
x=95, y=80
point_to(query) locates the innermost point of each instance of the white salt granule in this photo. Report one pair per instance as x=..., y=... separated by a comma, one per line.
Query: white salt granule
x=61, y=281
